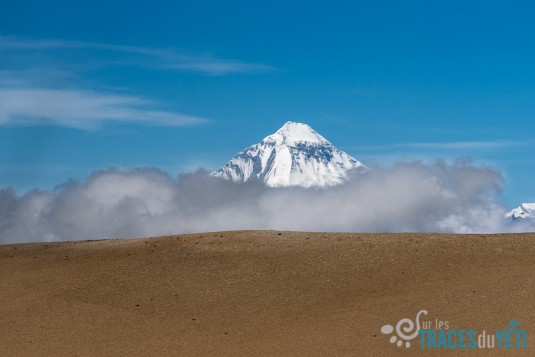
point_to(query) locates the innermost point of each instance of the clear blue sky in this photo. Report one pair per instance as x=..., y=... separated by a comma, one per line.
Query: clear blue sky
x=177, y=85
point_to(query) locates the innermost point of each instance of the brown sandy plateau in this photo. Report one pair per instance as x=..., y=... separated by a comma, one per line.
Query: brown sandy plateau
x=259, y=293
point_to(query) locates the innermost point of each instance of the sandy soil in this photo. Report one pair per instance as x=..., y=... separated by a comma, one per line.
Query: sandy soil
x=259, y=293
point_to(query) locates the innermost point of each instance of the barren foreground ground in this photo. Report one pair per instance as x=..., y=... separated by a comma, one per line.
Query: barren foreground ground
x=259, y=293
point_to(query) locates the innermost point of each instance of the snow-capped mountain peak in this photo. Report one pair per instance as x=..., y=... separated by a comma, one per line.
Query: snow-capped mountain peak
x=293, y=133
x=295, y=155
x=524, y=211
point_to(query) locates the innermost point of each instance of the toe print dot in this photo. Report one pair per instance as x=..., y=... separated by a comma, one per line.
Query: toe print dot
x=407, y=344
x=399, y=343
x=386, y=329
x=393, y=339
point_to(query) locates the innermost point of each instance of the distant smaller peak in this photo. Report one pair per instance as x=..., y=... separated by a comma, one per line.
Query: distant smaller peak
x=525, y=210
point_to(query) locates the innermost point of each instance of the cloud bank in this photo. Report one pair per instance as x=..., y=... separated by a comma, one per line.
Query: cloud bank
x=112, y=203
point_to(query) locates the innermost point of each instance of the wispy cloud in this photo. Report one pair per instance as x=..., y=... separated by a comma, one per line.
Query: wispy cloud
x=47, y=82
x=82, y=109
x=162, y=58
x=453, y=145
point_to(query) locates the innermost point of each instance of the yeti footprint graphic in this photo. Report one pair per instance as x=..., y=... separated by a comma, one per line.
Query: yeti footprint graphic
x=403, y=328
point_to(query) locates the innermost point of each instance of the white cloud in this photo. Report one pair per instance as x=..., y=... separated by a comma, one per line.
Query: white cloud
x=162, y=58
x=216, y=67
x=147, y=202
x=452, y=145
x=81, y=109
x=462, y=145
x=42, y=82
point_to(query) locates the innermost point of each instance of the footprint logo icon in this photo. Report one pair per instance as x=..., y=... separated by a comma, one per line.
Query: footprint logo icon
x=405, y=330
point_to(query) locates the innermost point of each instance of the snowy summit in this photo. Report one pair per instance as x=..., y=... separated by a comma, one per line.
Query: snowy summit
x=295, y=155
x=524, y=211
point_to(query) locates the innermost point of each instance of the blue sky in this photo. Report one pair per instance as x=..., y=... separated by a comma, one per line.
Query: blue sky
x=180, y=85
